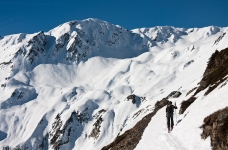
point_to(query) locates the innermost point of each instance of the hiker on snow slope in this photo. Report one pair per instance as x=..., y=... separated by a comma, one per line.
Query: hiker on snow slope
x=169, y=115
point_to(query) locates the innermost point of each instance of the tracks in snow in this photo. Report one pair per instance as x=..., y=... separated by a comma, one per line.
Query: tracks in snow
x=172, y=142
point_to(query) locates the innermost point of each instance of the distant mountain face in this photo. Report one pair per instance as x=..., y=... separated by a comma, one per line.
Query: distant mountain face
x=166, y=36
x=79, y=40
x=74, y=41
x=83, y=83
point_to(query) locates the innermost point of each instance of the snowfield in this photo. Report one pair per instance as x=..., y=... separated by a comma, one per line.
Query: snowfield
x=68, y=88
x=186, y=134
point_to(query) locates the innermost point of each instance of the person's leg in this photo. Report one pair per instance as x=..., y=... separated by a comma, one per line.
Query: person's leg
x=171, y=117
x=168, y=121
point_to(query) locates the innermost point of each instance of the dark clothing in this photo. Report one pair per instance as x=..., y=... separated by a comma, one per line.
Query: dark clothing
x=169, y=115
x=170, y=109
x=170, y=118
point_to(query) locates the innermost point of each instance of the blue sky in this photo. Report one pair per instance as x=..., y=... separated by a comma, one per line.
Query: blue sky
x=27, y=16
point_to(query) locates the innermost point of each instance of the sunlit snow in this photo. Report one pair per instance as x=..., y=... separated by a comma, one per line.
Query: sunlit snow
x=95, y=66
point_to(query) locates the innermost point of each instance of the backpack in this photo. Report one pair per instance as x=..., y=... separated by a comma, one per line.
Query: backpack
x=169, y=109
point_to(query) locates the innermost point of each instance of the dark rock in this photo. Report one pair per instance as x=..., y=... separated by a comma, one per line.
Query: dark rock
x=96, y=130
x=55, y=133
x=67, y=134
x=132, y=97
x=215, y=73
x=135, y=99
x=203, y=84
x=99, y=113
x=186, y=104
x=6, y=63
x=72, y=23
x=60, y=43
x=174, y=94
x=215, y=126
x=36, y=46
x=3, y=85
x=78, y=49
x=161, y=103
x=191, y=91
x=219, y=38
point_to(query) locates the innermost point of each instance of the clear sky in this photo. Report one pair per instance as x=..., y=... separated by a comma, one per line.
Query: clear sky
x=30, y=16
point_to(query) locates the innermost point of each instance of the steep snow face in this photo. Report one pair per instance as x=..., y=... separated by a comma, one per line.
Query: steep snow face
x=168, y=36
x=93, y=37
x=68, y=88
x=162, y=33
x=71, y=42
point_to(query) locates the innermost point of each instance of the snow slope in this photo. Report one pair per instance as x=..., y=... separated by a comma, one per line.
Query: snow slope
x=67, y=88
x=186, y=134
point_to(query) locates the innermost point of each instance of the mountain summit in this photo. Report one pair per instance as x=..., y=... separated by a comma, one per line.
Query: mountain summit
x=93, y=85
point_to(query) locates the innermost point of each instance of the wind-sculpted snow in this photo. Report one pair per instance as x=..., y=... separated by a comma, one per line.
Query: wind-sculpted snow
x=69, y=88
x=19, y=97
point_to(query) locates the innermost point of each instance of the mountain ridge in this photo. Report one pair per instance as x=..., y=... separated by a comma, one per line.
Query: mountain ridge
x=71, y=87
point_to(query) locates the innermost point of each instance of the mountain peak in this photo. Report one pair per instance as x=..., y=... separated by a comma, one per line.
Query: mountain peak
x=86, y=83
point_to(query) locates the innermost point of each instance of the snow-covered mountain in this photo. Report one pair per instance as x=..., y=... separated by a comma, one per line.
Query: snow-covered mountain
x=90, y=84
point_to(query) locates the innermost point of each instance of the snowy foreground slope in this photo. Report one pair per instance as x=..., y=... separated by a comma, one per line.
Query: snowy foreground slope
x=68, y=88
x=186, y=135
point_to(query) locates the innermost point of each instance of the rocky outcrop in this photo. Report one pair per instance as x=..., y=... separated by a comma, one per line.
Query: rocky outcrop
x=78, y=49
x=130, y=139
x=96, y=126
x=36, y=46
x=132, y=98
x=186, y=104
x=24, y=147
x=215, y=73
x=174, y=94
x=135, y=99
x=96, y=130
x=60, y=43
x=18, y=97
x=189, y=92
x=64, y=134
x=215, y=126
x=219, y=39
x=6, y=63
x=56, y=132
